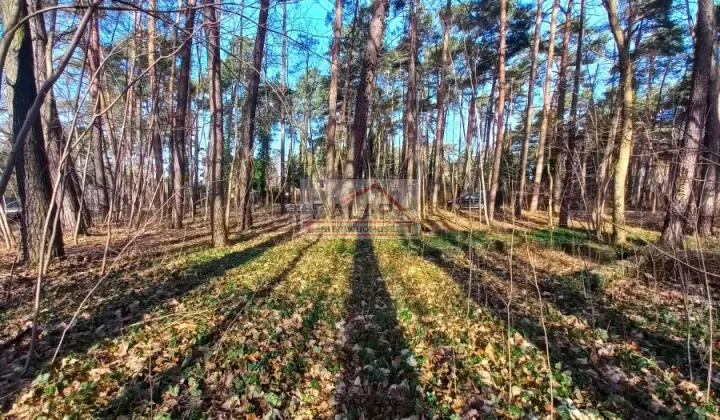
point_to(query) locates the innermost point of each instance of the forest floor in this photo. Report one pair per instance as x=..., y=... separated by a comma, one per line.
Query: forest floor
x=458, y=323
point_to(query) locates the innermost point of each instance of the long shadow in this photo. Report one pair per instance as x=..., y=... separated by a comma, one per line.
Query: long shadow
x=269, y=226
x=486, y=296
x=574, y=242
x=464, y=380
x=111, y=318
x=571, y=350
x=570, y=299
x=379, y=379
x=141, y=255
x=146, y=388
x=150, y=243
x=579, y=243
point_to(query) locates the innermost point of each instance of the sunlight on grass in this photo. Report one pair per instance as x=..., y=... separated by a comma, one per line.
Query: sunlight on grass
x=143, y=356
x=279, y=326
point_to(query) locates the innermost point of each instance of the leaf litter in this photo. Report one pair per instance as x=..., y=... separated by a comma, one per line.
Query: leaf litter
x=294, y=328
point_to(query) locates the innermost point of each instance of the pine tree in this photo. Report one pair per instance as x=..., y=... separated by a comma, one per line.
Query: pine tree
x=31, y=171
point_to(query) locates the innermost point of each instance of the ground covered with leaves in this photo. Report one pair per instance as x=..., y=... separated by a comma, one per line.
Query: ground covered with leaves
x=521, y=321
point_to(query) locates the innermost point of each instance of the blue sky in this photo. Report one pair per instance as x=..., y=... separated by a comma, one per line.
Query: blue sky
x=312, y=19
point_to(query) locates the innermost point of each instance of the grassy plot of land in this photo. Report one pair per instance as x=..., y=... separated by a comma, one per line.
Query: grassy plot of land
x=455, y=324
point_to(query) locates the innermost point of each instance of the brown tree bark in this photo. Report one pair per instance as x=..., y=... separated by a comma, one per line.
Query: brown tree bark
x=410, y=128
x=283, y=71
x=136, y=122
x=561, y=132
x=127, y=168
x=373, y=46
x=153, y=129
x=233, y=126
x=170, y=104
x=495, y=179
x=411, y=167
x=623, y=168
x=344, y=119
x=622, y=162
x=31, y=170
x=196, y=158
x=97, y=124
x=572, y=163
x=682, y=184
x=540, y=150
x=12, y=15
x=709, y=198
x=529, y=110
x=466, y=180
x=446, y=18
x=216, y=192
x=603, y=174
x=55, y=140
x=332, y=102
x=246, y=152
x=179, y=132
x=489, y=118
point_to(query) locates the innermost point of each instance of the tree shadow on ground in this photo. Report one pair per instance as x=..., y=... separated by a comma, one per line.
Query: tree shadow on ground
x=148, y=251
x=601, y=380
x=107, y=317
x=379, y=377
x=574, y=242
x=579, y=243
x=265, y=227
x=71, y=271
x=144, y=389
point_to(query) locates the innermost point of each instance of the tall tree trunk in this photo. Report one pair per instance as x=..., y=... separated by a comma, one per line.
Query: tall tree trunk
x=489, y=117
x=561, y=132
x=410, y=127
x=137, y=111
x=343, y=121
x=411, y=168
x=626, y=122
x=233, y=182
x=284, y=105
x=169, y=91
x=332, y=104
x=422, y=152
x=466, y=180
x=196, y=139
x=97, y=124
x=495, y=179
x=130, y=98
x=572, y=164
x=216, y=192
x=625, y=147
x=603, y=174
x=529, y=110
x=540, y=150
x=264, y=135
x=709, y=198
x=232, y=122
x=246, y=152
x=373, y=46
x=153, y=129
x=682, y=185
x=31, y=171
x=441, y=92
x=55, y=140
x=179, y=132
